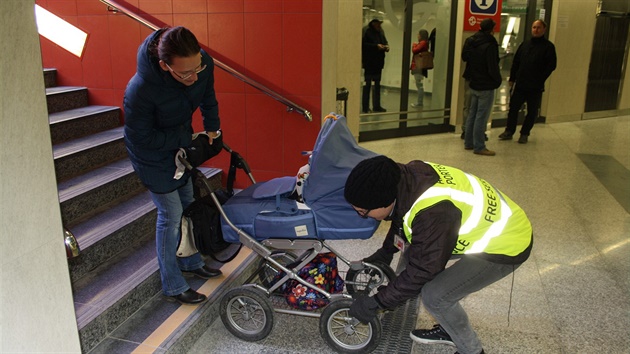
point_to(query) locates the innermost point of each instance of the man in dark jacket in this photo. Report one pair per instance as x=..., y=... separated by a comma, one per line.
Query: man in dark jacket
x=438, y=213
x=373, y=48
x=534, y=61
x=174, y=77
x=481, y=54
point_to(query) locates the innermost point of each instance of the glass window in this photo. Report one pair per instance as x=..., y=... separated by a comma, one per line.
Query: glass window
x=412, y=102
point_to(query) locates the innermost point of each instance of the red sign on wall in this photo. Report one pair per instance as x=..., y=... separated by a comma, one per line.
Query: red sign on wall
x=478, y=10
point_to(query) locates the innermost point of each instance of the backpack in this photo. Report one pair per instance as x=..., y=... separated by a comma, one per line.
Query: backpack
x=201, y=229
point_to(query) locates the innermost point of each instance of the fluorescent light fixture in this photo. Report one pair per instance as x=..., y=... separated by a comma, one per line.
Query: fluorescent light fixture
x=60, y=32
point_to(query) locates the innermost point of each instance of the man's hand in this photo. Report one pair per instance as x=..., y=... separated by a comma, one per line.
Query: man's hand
x=364, y=308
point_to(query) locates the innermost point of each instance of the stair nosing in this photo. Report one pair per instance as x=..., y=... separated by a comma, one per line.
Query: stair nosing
x=56, y=90
x=74, y=113
x=81, y=144
x=103, y=175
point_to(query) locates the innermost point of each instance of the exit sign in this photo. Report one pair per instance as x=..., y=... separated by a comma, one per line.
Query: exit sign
x=478, y=10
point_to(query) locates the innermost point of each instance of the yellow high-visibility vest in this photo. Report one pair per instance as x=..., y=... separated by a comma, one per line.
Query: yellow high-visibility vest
x=491, y=222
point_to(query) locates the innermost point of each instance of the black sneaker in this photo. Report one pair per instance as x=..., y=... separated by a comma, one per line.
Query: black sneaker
x=482, y=352
x=379, y=109
x=522, y=139
x=436, y=335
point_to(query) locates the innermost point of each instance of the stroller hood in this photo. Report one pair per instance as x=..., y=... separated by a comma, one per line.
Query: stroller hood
x=334, y=155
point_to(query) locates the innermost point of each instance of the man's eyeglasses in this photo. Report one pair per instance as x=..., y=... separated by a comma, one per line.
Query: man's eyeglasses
x=199, y=69
x=364, y=214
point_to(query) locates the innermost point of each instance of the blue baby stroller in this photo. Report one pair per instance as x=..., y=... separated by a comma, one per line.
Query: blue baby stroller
x=288, y=221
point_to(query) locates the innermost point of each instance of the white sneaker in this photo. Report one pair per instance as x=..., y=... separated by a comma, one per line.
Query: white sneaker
x=415, y=105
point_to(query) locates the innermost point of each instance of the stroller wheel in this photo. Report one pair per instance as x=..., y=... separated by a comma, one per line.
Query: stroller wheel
x=267, y=271
x=344, y=333
x=247, y=313
x=368, y=279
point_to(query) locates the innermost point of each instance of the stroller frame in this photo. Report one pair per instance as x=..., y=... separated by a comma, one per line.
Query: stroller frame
x=341, y=331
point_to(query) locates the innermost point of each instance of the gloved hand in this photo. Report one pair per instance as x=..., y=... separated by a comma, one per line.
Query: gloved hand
x=381, y=255
x=364, y=308
x=200, y=149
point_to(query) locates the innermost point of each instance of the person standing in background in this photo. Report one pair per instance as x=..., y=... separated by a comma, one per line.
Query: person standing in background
x=419, y=74
x=533, y=62
x=373, y=48
x=481, y=54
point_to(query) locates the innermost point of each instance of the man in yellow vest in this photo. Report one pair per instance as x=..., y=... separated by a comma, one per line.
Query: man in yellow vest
x=438, y=213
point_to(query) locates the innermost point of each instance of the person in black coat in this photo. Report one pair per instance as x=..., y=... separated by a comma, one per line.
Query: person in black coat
x=534, y=61
x=174, y=78
x=373, y=48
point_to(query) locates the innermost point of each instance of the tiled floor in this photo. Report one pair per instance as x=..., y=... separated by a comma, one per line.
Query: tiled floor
x=572, y=295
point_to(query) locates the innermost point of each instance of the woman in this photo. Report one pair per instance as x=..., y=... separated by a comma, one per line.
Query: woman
x=174, y=77
x=418, y=74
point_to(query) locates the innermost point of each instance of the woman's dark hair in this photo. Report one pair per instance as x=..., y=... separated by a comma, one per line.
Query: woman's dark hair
x=177, y=42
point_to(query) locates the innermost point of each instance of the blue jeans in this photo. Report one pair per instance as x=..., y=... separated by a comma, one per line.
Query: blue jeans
x=441, y=297
x=478, y=113
x=420, y=87
x=170, y=207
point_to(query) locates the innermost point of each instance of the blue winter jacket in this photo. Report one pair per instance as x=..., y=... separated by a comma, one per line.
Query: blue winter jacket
x=158, y=117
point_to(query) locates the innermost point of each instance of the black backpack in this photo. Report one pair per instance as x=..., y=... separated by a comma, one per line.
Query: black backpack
x=206, y=233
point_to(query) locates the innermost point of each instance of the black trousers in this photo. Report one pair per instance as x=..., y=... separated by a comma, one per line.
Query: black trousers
x=376, y=94
x=518, y=98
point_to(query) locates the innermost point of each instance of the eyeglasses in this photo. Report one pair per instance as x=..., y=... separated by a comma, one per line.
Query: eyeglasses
x=199, y=69
x=364, y=214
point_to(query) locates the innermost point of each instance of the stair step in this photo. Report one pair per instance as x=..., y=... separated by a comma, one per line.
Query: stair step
x=62, y=98
x=114, y=291
x=78, y=122
x=117, y=271
x=109, y=232
x=85, y=195
x=161, y=326
x=50, y=77
x=81, y=155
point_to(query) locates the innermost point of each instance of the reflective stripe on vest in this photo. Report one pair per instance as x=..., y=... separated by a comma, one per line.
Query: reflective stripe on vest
x=491, y=222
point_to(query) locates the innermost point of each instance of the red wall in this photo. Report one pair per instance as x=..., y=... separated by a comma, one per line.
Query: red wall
x=275, y=42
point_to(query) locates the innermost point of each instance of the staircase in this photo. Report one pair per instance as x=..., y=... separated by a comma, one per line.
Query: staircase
x=112, y=216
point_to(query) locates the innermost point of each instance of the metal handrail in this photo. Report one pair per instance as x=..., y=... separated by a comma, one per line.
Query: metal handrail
x=114, y=6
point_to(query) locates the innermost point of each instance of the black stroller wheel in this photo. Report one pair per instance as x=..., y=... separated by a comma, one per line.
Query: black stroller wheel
x=267, y=270
x=367, y=279
x=247, y=313
x=344, y=333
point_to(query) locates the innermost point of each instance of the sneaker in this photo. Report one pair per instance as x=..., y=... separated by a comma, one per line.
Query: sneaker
x=522, y=139
x=366, y=111
x=436, y=335
x=485, y=152
x=505, y=136
x=379, y=109
x=416, y=105
x=463, y=136
x=482, y=352
x=468, y=147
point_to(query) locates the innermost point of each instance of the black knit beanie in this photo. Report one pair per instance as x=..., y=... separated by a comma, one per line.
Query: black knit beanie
x=373, y=183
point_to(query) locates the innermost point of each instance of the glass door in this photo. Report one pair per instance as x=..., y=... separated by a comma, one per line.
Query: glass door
x=411, y=107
